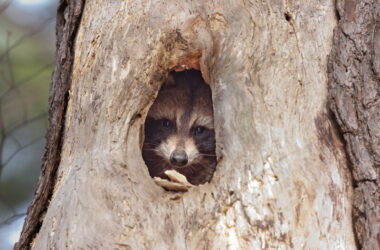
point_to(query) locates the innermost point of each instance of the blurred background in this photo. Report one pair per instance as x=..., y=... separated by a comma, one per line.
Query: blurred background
x=27, y=47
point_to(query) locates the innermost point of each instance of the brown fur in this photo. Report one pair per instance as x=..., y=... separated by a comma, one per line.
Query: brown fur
x=186, y=104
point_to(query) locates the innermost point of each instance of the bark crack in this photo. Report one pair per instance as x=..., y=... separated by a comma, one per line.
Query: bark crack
x=289, y=18
x=298, y=47
x=184, y=212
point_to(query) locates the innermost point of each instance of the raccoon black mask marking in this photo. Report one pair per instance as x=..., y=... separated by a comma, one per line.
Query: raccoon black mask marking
x=179, y=129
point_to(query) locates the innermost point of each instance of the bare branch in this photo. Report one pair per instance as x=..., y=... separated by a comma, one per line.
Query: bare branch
x=11, y=219
x=11, y=85
x=2, y=134
x=11, y=136
x=28, y=35
x=7, y=204
x=12, y=80
x=5, y=5
x=20, y=149
x=26, y=79
x=25, y=122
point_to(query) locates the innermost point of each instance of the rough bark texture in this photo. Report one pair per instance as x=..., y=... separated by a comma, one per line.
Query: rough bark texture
x=282, y=179
x=354, y=73
x=68, y=20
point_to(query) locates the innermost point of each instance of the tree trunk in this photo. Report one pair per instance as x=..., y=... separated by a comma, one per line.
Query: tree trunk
x=282, y=179
x=354, y=72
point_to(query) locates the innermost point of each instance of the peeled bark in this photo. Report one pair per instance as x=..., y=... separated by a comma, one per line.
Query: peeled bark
x=282, y=179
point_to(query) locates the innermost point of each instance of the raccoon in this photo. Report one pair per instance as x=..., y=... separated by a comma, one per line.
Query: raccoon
x=179, y=129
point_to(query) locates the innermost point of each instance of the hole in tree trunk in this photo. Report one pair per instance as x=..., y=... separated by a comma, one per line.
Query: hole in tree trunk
x=287, y=16
x=179, y=129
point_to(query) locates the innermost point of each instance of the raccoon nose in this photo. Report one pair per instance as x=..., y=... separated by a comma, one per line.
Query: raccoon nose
x=178, y=157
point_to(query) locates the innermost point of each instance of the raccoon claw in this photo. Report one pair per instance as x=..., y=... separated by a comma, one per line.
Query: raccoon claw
x=177, y=177
x=178, y=182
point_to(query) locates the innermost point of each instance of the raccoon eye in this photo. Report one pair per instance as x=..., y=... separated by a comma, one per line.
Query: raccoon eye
x=167, y=123
x=199, y=130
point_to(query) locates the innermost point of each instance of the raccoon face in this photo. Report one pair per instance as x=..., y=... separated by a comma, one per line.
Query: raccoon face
x=179, y=131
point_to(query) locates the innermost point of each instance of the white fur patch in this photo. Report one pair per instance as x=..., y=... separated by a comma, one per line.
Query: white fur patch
x=191, y=150
x=167, y=147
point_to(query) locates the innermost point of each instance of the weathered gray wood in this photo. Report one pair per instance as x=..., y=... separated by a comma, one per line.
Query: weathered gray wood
x=354, y=72
x=282, y=180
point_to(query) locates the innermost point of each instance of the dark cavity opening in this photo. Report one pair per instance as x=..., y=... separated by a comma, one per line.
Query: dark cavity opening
x=179, y=129
x=288, y=17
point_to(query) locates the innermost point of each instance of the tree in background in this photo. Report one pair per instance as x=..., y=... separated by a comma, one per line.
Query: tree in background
x=26, y=56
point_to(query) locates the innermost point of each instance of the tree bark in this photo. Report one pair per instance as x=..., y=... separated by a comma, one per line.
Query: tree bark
x=354, y=73
x=68, y=20
x=282, y=179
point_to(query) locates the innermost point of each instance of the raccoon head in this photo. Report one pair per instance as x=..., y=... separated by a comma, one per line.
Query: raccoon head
x=179, y=129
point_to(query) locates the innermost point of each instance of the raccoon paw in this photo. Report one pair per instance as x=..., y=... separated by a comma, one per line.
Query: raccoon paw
x=178, y=182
